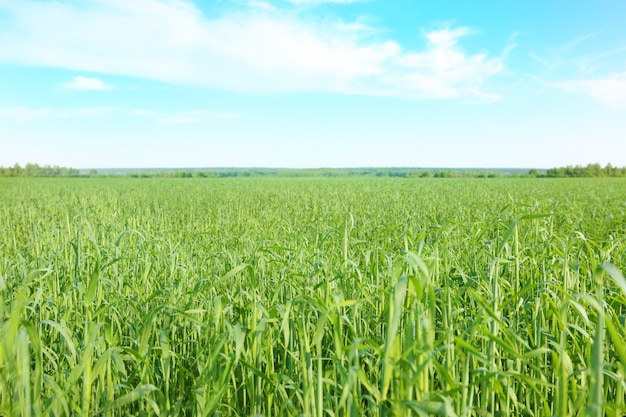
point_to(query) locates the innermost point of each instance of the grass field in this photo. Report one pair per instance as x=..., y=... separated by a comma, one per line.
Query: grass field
x=316, y=297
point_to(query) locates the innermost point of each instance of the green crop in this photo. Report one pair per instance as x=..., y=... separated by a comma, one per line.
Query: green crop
x=316, y=297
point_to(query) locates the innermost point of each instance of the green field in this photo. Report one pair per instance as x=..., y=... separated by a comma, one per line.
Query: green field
x=315, y=297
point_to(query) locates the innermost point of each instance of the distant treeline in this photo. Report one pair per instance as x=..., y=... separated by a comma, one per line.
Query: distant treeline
x=34, y=170
x=325, y=172
x=591, y=170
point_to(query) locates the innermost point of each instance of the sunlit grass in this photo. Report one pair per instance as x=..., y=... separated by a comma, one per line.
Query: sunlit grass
x=312, y=297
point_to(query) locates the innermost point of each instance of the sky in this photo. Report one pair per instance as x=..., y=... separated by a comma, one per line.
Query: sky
x=312, y=83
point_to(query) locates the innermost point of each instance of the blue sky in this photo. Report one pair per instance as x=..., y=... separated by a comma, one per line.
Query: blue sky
x=312, y=83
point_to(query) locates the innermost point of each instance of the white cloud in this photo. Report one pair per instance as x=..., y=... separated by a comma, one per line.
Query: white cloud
x=249, y=52
x=444, y=70
x=610, y=90
x=86, y=83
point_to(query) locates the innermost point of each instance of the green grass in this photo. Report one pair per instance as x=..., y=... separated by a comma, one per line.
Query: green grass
x=317, y=297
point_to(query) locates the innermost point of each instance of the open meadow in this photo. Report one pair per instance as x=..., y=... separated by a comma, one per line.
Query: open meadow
x=315, y=297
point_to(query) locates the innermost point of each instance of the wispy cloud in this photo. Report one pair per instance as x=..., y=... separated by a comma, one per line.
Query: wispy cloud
x=610, y=91
x=246, y=51
x=185, y=117
x=261, y=5
x=571, y=71
x=576, y=41
x=142, y=113
x=312, y=2
x=27, y=114
x=564, y=55
x=86, y=83
x=195, y=116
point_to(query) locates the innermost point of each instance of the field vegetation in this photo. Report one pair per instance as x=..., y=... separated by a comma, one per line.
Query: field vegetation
x=315, y=297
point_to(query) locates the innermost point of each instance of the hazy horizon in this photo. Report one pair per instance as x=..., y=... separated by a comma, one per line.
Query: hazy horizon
x=170, y=168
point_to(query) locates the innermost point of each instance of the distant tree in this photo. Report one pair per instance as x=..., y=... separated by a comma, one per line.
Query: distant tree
x=594, y=170
x=591, y=170
x=34, y=170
